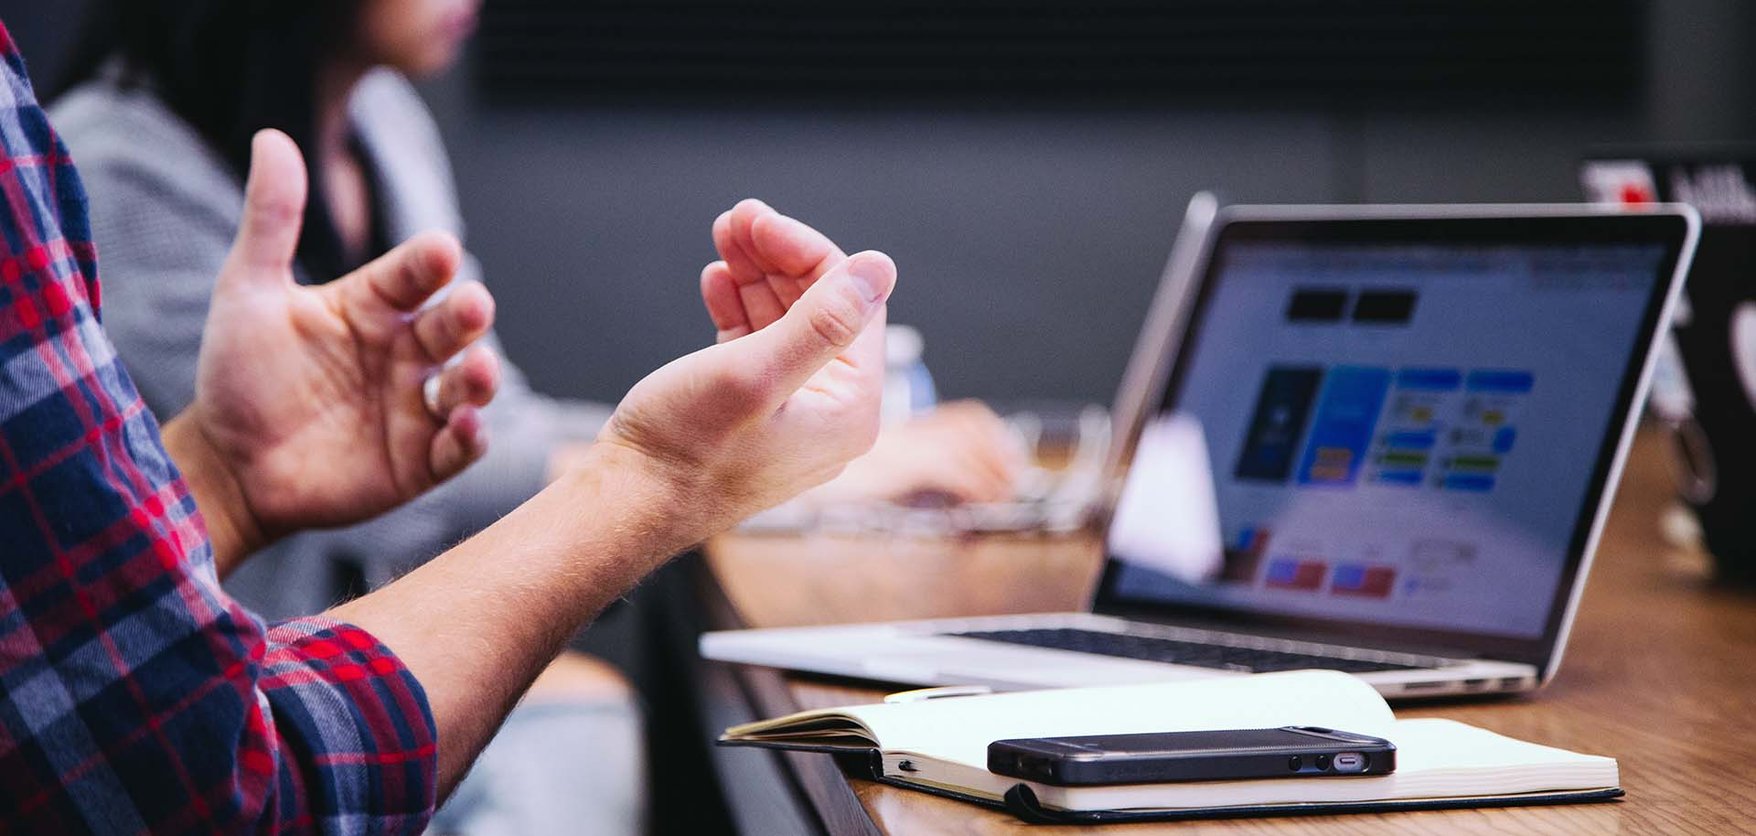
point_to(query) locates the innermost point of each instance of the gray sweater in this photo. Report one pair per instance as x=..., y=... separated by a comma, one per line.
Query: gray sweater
x=164, y=209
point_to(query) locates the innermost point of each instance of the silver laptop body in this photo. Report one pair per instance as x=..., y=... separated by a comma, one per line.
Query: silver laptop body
x=1380, y=439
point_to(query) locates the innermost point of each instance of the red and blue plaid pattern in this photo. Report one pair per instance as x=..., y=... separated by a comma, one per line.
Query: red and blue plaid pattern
x=135, y=697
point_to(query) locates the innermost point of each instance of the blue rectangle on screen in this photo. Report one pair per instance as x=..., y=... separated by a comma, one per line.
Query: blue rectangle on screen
x=1400, y=477
x=1474, y=482
x=1429, y=380
x=1500, y=380
x=1503, y=439
x=1347, y=413
x=1422, y=440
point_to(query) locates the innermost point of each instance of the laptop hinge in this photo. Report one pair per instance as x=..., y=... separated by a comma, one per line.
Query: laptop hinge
x=1299, y=633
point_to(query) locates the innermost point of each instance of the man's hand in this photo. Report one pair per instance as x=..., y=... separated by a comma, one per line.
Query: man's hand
x=309, y=407
x=962, y=450
x=788, y=396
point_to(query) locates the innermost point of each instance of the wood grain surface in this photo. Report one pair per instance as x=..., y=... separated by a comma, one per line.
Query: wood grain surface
x=1660, y=672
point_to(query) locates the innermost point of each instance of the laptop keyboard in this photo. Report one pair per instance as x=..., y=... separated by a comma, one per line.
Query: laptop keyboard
x=1198, y=654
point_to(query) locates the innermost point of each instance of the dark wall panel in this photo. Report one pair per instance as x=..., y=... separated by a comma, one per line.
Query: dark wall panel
x=44, y=32
x=1337, y=51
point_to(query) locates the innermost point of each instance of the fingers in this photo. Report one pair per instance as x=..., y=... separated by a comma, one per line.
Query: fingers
x=988, y=479
x=831, y=319
x=402, y=280
x=458, y=444
x=791, y=248
x=731, y=236
x=761, y=304
x=471, y=381
x=995, y=479
x=770, y=260
x=992, y=444
x=719, y=291
x=973, y=483
x=464, y=388
x=456, y=322
x=274, y=208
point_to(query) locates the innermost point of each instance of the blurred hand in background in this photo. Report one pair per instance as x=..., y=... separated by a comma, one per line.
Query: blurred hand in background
x=959, y=452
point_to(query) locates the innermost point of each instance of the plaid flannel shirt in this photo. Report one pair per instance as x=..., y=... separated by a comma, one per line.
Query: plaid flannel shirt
x=135, y=697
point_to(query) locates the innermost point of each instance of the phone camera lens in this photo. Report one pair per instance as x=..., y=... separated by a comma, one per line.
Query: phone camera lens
x=1295, y=763
x=1323, y=763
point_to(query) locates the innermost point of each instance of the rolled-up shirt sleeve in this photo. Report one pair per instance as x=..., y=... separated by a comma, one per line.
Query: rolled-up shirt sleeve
x=135, y=696
x=354, y=734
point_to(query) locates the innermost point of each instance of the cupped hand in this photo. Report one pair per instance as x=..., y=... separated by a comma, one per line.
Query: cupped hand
x=788, y=396
x=311, y=398
x=962, y=450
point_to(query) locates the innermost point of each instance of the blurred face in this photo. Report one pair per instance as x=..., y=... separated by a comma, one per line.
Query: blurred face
x=418, y=37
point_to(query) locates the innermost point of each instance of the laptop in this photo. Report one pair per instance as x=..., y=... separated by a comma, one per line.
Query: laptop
x=1381, y=440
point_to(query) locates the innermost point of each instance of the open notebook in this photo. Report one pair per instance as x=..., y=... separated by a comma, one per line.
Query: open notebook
x=941, y=745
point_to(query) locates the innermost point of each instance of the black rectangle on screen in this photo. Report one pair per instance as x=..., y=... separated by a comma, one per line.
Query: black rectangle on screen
x=1385, y=307
x=1317, y=304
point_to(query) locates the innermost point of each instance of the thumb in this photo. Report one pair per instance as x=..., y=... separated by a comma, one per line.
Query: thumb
x=827, y=321
x=274, y=208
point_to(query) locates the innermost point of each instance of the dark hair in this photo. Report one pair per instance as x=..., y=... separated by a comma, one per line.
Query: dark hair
x=229, y=68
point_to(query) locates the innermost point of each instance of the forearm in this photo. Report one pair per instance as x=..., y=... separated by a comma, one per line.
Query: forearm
x=230, y=525
x=478, y=623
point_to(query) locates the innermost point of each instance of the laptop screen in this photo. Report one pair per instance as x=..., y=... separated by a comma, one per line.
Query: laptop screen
x=1404, y=430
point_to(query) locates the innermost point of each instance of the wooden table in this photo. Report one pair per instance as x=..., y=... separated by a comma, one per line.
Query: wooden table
x=1660, y=674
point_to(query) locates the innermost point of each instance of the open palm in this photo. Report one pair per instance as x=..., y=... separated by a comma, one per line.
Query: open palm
x=313, y=396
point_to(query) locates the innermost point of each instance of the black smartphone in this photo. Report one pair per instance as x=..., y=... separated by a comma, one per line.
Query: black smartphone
x=1289, y=752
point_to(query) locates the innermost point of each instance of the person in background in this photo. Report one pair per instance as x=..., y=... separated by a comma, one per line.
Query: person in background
x=159, y=108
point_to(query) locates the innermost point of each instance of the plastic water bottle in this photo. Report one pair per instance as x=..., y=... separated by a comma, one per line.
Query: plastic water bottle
x=908, y=386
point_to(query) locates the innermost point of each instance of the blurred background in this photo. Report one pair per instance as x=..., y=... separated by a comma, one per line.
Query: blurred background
x=1025, y=162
